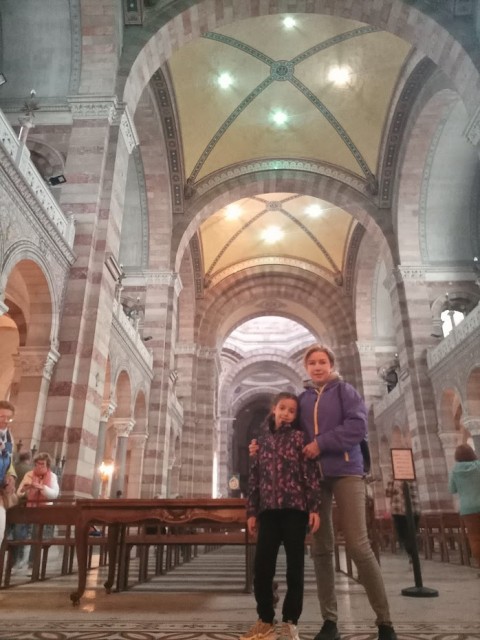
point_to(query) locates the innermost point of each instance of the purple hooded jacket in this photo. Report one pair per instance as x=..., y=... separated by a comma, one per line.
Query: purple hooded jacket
x=342, y=425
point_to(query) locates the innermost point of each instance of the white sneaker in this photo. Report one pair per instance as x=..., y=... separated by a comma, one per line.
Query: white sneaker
x=289, y=631
x=260, y=631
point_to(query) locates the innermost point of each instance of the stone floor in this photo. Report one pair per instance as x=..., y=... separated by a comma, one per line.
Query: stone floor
x=204, y=600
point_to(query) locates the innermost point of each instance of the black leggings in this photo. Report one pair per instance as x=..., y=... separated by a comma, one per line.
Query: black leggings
x=274, y=527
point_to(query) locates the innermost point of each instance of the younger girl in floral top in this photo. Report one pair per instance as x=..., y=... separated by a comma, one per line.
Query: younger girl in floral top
x=283, y=500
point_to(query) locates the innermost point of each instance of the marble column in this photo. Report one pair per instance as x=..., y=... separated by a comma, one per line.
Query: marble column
x=123, y=427
x=36, y=368
x=135, y=475
x=100, y=450
x=411, y=309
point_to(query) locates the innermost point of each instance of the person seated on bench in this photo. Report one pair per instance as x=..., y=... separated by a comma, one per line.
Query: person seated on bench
x=39, y=486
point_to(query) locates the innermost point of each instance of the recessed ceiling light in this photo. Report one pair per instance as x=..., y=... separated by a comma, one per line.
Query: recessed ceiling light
x=224, y=80
x=340, y=76
x=272, y=234
x=289, y=23
x=279, y=117
x=233, y=211
x=313, y=210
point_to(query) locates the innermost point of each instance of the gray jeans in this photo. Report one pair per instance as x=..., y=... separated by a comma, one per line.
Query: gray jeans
x=350, y=498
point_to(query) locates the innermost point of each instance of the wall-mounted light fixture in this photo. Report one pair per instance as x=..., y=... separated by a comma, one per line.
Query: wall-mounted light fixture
x=56, y=180
x=3, y=79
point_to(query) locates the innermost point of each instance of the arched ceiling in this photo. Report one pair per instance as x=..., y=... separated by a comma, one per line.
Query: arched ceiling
x=332, y=80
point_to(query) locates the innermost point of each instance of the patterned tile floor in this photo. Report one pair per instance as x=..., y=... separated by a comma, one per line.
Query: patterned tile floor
x=204, y=600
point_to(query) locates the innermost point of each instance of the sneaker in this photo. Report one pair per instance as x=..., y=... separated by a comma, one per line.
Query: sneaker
x=288, y=631
x=386, y=632
x=328, y=631
x=260, y=631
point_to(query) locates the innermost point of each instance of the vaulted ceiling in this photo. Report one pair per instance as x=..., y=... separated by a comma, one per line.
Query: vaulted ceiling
x=310, y=89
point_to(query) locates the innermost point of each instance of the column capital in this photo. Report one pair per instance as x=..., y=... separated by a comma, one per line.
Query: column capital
x=123, y=426
x=472, y=424
x=138, y=440
x=108, y=410
x=37, y=361
x=169, y=278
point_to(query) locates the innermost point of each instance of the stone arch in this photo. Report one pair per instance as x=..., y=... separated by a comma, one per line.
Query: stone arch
x=26, y=271
x=123, y=395
x=473, y=392
x=284, y=181
x=48, y=160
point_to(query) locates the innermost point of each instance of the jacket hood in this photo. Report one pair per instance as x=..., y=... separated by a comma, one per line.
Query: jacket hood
x=466, y=467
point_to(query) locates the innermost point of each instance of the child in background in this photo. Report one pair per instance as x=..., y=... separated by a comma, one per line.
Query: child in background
x=283, y=500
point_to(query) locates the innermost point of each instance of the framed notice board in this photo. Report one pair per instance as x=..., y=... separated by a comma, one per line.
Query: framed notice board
x=402, y=464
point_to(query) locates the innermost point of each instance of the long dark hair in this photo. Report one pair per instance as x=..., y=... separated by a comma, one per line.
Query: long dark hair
x=285, y=395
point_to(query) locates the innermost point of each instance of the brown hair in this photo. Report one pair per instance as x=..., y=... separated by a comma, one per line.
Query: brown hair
x=5, y=404
x=43, y=456
x=323, y=349
x=465, y=453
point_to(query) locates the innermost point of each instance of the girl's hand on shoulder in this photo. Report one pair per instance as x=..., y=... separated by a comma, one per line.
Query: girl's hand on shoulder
x=313, y=522
x=252, y=525
x=311, y=450
x=253, y=448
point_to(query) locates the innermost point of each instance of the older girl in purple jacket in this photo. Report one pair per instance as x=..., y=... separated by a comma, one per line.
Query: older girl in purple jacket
x=283, y=500
x=333, y=418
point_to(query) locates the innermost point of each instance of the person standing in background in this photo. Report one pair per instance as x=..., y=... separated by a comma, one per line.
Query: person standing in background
x=465, y=480
x=8, y=497
x=399, y=513
x=20, y=531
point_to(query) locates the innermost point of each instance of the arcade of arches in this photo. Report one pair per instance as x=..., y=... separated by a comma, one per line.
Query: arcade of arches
x=192, y=192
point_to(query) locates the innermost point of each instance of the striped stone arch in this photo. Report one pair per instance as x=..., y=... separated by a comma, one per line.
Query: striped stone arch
x=123, y=394
x=449, y=400
x=249, y=396
x=374, y=221
x=25, y=255
x=266, y=361
x=323, y=309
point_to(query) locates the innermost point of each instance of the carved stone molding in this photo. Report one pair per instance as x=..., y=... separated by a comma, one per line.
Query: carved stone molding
x=108, y=411
x=472, y=424
x=138, y=440
x=472, y=130
x=95, y=108
x=123, y=426
x=168, y=278
x=129, y=132
x=186, y=349
x=235, y=171
x=36, y=361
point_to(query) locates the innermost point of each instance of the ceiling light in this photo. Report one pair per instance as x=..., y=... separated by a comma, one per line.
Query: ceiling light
x=279, y=117
x=233, y=211
x=272, y=235
x=224, y=80
x=313, y=210
x=289, y=23
x=340, y=75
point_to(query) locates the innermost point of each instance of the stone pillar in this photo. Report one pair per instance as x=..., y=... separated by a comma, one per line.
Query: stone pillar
x=163, y=288
x=123, y=427
x=96, y=164
x=36, y=366
x=411, y=310
x=100, y=450
x=135, y=474
x=449, y=442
